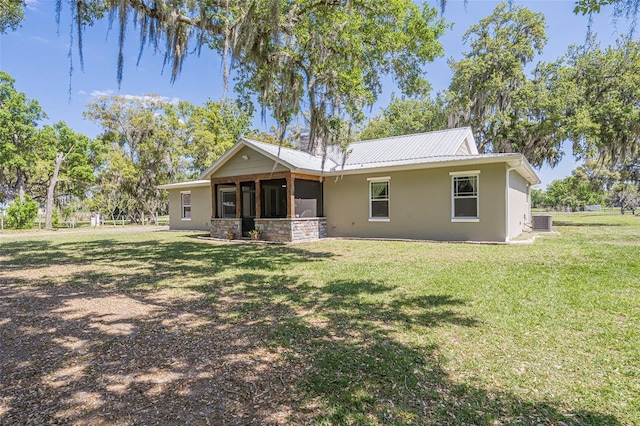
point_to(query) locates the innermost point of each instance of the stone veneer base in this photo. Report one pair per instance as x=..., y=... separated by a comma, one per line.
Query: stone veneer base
x=219, y=227
x=292, y=230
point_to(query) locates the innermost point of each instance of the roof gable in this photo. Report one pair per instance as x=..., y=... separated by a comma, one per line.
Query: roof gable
x=291, y=159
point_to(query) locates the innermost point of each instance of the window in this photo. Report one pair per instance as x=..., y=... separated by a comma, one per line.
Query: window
x=227, y=202
x=186, y=205
x=464, y=206
x=379, y=199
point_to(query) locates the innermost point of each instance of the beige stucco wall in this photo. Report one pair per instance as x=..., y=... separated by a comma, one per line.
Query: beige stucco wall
x=420, y=206
x=200, y=209
x=519, y=204
x=256, y=163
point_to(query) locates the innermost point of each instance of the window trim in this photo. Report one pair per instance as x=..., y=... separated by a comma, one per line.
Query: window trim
x=466, y=173
x=183, y=205
x=386, y=179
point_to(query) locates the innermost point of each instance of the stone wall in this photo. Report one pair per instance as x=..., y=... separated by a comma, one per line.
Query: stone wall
x=221, y=225
x=292, y=230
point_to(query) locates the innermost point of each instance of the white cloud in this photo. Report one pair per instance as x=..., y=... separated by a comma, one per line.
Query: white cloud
x=154, y=98
x=31, y=4
x=81, y=92
x=41, y=39
x=98, y=93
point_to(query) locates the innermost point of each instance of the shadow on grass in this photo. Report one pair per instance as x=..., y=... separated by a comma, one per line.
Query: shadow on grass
x=259, y=345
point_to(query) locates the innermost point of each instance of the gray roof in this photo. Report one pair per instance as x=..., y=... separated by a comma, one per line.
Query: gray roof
x=294, y=158
x=395, y=150
x=423, y=149
x=409, y=147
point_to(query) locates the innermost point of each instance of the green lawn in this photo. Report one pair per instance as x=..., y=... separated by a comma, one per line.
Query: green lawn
x=331, y=332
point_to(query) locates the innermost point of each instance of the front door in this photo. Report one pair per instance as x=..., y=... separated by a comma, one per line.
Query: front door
x=248, y=207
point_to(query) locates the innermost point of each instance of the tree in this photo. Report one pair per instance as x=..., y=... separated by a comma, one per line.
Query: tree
x=68, y=153
x=627, y=9
x=572, y=192
x=19, y=145
x=627, y=197
x=603, y=120
x=326, y=56
x=490, y=91
x=404, y=116
x=538, y=198
x=597, y=175
x=144, y=143
x=211, y=130
x=11, y=14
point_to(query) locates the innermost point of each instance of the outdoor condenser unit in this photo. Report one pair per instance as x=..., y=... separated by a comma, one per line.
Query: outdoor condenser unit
x=542, y=223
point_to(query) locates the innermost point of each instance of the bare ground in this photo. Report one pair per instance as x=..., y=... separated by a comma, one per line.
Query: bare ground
x=101, y=356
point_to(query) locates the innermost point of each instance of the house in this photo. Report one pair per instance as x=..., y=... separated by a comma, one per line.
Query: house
x=433, y=186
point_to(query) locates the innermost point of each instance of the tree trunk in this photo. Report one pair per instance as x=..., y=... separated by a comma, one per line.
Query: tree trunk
x=51, y=189
x=20, y=184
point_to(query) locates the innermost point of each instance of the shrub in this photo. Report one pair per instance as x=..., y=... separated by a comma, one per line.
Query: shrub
x=22, y=215
x=55, y=218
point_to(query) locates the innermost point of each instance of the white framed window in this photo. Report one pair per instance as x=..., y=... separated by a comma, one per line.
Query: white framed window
x=465, y=196
x=379, y=197
x=227, y=202
x=185, y=205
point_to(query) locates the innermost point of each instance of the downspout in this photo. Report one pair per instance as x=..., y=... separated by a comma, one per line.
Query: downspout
x=506, y=201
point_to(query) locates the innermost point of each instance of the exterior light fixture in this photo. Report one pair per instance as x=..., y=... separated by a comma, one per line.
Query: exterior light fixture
x=245, y=157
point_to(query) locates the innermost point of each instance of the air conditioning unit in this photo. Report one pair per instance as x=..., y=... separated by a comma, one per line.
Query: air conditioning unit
x=542, y=223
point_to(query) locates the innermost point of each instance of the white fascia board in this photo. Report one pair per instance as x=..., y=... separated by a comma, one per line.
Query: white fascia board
x=185, y=185
x=426, y=165
x=525, y=168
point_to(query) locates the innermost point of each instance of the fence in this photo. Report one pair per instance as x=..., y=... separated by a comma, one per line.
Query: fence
x=569, y=212
x=89, y=222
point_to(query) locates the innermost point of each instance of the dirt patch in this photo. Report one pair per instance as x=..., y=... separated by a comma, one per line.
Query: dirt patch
x=103, y=357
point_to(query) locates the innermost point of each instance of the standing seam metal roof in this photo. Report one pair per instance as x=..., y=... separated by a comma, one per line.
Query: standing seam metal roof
x=409, y=147
x=416, y=149
x=297, y=159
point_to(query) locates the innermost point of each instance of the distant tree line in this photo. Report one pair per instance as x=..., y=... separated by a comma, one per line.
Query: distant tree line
x=591, y=184
x=146, y=141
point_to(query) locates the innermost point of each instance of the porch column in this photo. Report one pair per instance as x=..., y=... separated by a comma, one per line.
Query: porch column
x=291, y=201
x=258, y=200
x=238, y=200
x=214, y=200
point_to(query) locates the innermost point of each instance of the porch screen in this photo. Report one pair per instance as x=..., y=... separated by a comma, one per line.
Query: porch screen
x=274, y=198
x=308, y=198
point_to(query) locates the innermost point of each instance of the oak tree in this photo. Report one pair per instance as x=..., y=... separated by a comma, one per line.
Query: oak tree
x=19, y=144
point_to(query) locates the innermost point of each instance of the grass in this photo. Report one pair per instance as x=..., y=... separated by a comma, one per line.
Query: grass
x=371, y=332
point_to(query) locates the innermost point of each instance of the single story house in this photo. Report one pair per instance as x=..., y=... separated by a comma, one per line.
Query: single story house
x=433, y=186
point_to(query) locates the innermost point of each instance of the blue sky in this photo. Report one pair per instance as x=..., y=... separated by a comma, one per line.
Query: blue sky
x=37, y=56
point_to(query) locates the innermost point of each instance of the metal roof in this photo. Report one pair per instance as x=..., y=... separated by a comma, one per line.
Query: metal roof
x=410, y=147
x=293, y=158
x=410, y=151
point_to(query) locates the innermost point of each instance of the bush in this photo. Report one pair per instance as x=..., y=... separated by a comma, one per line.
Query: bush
x=55, y=218
x=22, y=215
